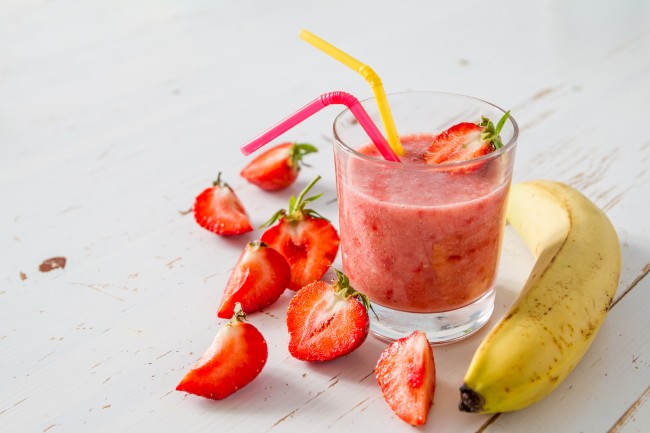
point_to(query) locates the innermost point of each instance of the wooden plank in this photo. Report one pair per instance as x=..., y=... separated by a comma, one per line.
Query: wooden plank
x=607, y=382
x=636, y=417
x=115, y=115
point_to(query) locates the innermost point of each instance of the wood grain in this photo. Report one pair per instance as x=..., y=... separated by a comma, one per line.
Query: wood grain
x=115, y=115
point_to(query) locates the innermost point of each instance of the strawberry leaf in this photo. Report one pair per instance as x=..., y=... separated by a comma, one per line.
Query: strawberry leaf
x=292, y=204
x=502, y=122
x=490, y=134
x=276, y=216
x=296, y=209
x=298, y=150
x=343, y=288
x=312, y=198
x=313, y=213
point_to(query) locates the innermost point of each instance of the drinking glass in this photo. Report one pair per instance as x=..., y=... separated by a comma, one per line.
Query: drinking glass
x=423, y=240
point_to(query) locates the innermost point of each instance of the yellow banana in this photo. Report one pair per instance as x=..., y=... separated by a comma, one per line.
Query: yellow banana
x=561, y=307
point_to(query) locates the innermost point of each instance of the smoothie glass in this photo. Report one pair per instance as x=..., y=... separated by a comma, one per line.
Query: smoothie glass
x=423, y=240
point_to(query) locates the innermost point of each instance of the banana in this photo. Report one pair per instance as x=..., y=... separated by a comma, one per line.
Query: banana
x=555, y=318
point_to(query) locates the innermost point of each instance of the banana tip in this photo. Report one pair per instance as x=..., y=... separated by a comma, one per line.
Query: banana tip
x=470, y=400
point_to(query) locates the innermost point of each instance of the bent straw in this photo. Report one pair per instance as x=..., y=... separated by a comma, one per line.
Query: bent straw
x=369, y=75
x=313, y=107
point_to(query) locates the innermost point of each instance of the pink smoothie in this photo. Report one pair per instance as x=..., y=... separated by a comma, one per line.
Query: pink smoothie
x=422, y=241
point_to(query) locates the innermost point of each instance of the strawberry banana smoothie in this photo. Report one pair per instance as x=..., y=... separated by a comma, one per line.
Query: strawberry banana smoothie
x=421, y=237
x=426, y=242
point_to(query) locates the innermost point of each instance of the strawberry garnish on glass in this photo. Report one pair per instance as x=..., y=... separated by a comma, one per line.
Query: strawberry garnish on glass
x=326, y=321
x=259, y=278
x=278, y=167
x=466, y=141
x=306, y=239
x=219, y=210
x=235, y=357
x=406, y=373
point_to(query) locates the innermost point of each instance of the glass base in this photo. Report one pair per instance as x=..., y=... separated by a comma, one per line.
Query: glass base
x=441, y=328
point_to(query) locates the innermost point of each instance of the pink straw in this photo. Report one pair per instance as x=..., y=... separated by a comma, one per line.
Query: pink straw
x=313, y=107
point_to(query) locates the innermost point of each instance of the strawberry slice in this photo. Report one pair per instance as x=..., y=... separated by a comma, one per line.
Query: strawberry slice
x=219, y=210
x=465, y=141
x=278, y=167
x=235, y=357
x=308, y=241
x=406, y=373
x=327, y=321
x=258, y=279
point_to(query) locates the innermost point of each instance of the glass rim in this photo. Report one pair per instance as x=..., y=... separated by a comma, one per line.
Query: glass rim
x=377, y=159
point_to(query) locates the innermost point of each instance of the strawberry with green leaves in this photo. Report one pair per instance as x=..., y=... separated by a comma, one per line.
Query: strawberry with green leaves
x=327, y=321
x=218, y=210
x=466, y=141
x=259, y=278
x=278, y=167
x=235, y=357
x=307, y=240
x=406, y=373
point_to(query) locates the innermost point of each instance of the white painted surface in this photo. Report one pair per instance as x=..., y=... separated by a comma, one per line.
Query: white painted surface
x=115, y=114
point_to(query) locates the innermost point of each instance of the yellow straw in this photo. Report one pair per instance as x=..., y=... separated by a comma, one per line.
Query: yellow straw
x=370, y=76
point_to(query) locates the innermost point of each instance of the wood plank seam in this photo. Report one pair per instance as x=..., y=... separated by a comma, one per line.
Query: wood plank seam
x=644, y=271
x=629, y=413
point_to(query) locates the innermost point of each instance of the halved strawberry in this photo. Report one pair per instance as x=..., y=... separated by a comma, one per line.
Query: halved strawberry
x=219, y=210
x=258, y=279
x=308, y=241
x=235, y=357
x=278, y=167
x=406, y=373
x=327, y=321
x=465, y=141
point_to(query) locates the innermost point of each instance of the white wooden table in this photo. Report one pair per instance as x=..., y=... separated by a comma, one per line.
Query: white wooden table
x=115, y=114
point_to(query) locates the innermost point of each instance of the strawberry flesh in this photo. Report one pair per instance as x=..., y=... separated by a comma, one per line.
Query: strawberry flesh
x=309, y=244
x=308, y=241
x=273, y=170
x=218, y=210
x=278, y=167
x=325, y=325
x=406, y=373
x=461, y=142
x=235, y=357
x=260, y=276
